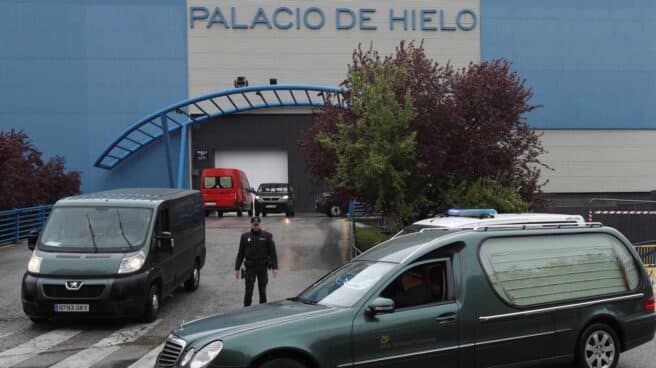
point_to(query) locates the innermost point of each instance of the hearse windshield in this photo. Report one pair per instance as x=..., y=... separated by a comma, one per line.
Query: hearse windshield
x=347, y=285
x=96, y=229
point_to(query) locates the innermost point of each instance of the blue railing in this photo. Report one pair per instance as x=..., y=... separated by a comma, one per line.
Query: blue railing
x=17, y=223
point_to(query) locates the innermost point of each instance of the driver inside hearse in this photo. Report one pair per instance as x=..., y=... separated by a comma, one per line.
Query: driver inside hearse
x=420, y=285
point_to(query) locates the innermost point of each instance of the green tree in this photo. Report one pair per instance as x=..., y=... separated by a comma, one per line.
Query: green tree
x=376, y=152
x=485, y=193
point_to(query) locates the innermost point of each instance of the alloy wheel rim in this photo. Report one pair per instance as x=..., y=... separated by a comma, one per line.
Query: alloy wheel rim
x=599, y=350
x=196, y=276
x=335, y=211
x=154, y=302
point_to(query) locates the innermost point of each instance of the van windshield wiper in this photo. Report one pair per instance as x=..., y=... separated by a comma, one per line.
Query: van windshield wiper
x=93, y=235
x=120, y=226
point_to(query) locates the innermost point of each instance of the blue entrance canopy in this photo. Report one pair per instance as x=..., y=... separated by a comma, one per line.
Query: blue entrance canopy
x=161, y=123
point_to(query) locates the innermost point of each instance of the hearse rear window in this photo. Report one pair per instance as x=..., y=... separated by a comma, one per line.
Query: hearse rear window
x=535, y=270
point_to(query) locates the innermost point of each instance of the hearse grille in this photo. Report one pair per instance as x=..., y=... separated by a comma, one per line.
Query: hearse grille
x=171, y=352
x=60, y=291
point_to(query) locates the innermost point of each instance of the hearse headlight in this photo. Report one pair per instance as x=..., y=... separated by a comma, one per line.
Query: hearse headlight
x=132, y=263
x=34, y=266
x=187, y=357
x=205, y=355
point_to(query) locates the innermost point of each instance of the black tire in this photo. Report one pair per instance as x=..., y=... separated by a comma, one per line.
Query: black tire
x=38, y=320
x=264, y=214
x=152, y=304
x=293, y=213
x=288, y=214
x=194, y=280
x=219, y=213
x=250, y=213
x=334, y=211
x=598, y=347
x=207, y=213
x=239, y=213
x=282, y=363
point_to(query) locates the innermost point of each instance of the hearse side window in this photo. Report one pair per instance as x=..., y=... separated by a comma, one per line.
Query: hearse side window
x=535, y=270
x=421, y=285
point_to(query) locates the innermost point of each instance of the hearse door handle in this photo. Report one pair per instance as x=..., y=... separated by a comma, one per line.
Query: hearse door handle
x=447, y=317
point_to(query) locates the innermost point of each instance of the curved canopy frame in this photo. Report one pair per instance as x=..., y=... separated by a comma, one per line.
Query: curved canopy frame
x=161, y=123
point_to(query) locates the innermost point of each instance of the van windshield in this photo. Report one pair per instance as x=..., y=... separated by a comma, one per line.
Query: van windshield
x=96, y=229
x=273, y=188
x=212, y=182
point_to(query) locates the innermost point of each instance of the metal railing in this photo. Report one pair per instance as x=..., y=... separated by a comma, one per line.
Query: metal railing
x=647, y=253
x=17, y=223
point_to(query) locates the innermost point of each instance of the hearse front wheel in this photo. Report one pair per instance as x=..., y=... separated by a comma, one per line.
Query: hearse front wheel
x=599, y=347
x=282, y=363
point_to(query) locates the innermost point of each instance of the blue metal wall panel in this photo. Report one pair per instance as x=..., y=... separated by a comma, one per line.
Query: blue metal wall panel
x=590, y=62
x=74, y=74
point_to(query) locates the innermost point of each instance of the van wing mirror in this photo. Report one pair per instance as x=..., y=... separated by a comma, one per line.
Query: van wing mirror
x=252, y=190
x=32, y=238
x=380, y=306
x=166, y=241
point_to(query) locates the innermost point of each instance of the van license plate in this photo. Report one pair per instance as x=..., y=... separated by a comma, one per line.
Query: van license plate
x=71, y=307
x=270, y=206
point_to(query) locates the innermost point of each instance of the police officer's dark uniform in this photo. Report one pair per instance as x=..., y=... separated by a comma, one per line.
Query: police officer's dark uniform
x=258, y=253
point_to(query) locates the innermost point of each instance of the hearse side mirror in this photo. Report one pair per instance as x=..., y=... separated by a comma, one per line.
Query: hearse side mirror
x=166, y=241
x=381, y=306
x=32, y=238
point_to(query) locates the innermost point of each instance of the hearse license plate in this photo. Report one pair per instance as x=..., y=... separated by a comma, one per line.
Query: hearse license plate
x=71, y=307
x=270, y=206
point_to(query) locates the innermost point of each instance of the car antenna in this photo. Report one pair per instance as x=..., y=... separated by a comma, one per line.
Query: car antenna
x=93, y=235
x=120, y=226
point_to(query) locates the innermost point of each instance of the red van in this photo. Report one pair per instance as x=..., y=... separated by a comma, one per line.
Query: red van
x=226, y=190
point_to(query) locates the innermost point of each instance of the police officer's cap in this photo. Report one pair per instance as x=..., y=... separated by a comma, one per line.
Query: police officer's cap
x=255, y=220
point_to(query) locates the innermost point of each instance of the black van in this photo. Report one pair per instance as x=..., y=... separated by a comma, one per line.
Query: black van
x=115, y=253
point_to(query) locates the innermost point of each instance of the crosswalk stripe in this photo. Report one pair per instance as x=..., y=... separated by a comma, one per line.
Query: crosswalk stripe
x=148, y=360
x=35, y=346
x=105, y=347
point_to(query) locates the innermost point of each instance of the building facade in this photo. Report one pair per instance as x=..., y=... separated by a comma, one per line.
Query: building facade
x=74, y=75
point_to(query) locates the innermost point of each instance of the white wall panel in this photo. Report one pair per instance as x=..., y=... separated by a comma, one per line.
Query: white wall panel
x=259, y=166
x=600, y=160
x=218, y=55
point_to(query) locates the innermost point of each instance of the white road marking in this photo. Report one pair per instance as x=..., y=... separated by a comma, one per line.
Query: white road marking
x=148, y=360
x=105, y=347
x=35, y=346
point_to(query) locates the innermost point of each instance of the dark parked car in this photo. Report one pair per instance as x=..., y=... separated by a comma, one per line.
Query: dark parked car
x=274, y=198
x=331, y=203
x=512, y=296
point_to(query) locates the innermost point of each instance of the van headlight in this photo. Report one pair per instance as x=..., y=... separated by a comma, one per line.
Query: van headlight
x=132, y=263
x=205, y=355
x=34, y=266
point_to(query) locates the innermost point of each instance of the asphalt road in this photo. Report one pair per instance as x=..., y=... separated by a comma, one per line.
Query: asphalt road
x=308, y=247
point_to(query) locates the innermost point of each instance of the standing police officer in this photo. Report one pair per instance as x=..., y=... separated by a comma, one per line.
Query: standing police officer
x=258, y=253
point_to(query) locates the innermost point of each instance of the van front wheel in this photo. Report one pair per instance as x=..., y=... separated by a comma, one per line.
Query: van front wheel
x=152, y=304
x=599, y=347
x=194, y=279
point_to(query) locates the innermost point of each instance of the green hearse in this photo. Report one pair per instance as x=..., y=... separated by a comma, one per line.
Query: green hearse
x=115, y=253
x=508, y=296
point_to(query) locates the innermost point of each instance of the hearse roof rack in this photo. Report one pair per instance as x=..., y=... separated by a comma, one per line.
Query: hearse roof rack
x=538, y=226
